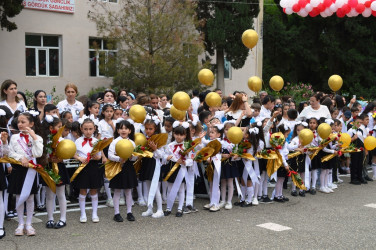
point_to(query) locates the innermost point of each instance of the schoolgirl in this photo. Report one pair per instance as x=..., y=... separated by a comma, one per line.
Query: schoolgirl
x=91, y=176
x=92, y=110
x=4, y=150
x=25, y=147
x=313, y=123
x=327, y=166
x=151, y=169
x=126, y=179
x=176, y=183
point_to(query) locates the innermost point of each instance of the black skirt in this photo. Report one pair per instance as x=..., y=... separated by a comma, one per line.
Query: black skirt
x=91, y=177
x=17, y=179
x=281, y=172
x=316, y=161
x=126, y=179
x=229, y=169
x=3, y=182
x=175, y=174
x=147, y=169
x=329, y=164
x=298, y=163
x=262, y=164
x=164, y=170
x=63, y=172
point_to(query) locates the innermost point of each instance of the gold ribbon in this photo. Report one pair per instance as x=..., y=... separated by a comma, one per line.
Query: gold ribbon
x=297, y=184
x=246, y=156
x=112, y=168
x=321, y=146
x=137, y=164
x=210, y=172
x=55, y=142
x=274, y=161
x=98, y=147
x=45, y=176
x=331, y=156
x=295, y=154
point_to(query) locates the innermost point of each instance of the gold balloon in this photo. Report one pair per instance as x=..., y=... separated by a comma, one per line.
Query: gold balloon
x=324, y=130
x=255, y=83
x=345, y=140
x=206, y=77
x=124, y=149
x=370, y=143
x=137, y=113
x=181, y=101
x=213, y=99
x=250, y=38
x=305, y=136
x=276, y=83
x=140, y=139
x=65, y=149
x=335, y=82
x=177, y=114
x=235, y=135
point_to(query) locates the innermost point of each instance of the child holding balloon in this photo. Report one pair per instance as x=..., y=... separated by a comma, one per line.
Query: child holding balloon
x=127, y=178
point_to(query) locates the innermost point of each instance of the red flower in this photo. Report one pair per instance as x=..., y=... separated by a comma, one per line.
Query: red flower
x=340, y=153
x=354, y=118
x=244, y=150
x=279, y=147
x=245, y=140
x=328, y=139
x=268, y=151
x=305, y=150
x=277, y=136
x=361, y=148
x=370, y=132
x=142, y=148
x=206, y=154
x=339, y=135
x=53, y=132
x=193, y=144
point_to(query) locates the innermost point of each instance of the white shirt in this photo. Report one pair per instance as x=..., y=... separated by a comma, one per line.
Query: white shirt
x=17, y=146
x=20, y=106
x=75, y=109
x=112, y=156
x=371, y=121
x=105, y=129
x=309, y=112
x=82, y=151
x=359, y=133
x=176, y=156
x=195, y=101
x=264, y=113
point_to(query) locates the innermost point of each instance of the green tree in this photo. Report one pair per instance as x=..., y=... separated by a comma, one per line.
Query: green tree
x=310, y=50
x=158, y=46
x=222, y=23
x=8, y=9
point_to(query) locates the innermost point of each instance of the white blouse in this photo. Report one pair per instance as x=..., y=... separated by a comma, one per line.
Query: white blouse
x=82, y=151
x=17, y=152
x=105, y=129
x=112, y=156
x=20, y=106
x=176, y=156
x=75, y=109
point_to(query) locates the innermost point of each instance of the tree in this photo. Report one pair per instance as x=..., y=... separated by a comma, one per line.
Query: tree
x=9, y=9
x=222, y=23
x=157, y=44
x=310, y=50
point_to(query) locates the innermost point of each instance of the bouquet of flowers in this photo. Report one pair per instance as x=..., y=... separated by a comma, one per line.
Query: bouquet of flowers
x=241, y=150
x=295, y=177
x=277, y=140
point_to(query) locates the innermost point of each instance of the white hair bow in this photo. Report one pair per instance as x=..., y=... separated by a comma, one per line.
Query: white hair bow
x=81, y=120
x=195, y=121
x=219, y=126
x=183, y=124
x=154, y=118
x=2, y=112
x=254, y=131
x=259, y=123
x=49, y=118
x=304, y=124
x=33, y=112
x=329, y=121
x=119, y=120
x=230, y=121
x=129, y=120
x=285, y=126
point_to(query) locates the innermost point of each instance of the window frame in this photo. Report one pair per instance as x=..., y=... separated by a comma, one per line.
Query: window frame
x=98, y=51
x=47, y=49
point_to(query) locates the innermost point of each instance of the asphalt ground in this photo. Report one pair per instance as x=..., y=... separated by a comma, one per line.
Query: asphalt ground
x=340, y=220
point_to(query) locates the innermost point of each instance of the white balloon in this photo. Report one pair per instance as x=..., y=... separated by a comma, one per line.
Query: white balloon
x=283, y=3
x=353, y=12
x=327, y=12
x=362, y=1
x=367, y=12
x=288, y=11
x=315, y=3
x=322, y=14
x=373, y=6
x=333, y=8
x=291, y=3
x=303, y=13
x=340, y=3
x=308, y=7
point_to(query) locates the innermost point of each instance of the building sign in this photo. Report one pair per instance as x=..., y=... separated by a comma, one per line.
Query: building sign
x=66, y=6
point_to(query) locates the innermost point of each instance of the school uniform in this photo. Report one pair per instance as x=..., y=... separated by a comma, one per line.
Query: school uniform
x=316, y=161
x=356, y=165
x=229, y=167
x=282, y=172
x=328, y=150
x=127, y=178
x=106, y=131
x=20, y=146
x=3, y=168
x=91, y=177
x=296, y=163
x=147, y=169
x=174, y=149
x=244, y=122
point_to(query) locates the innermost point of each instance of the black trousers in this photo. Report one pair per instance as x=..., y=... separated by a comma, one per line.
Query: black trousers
x=356, y=166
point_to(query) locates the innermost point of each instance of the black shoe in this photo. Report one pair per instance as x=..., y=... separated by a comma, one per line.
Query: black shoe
x=118, y=218
x=285, y=198
x=167, y=212
x=276, y=199
x=50, y=224
x=363, y=181
x=179, y=213
x=60, y=224
x=266, y=200
x=192, y=209
x=302, y=193
x=41, y=209
x=312, y=191
x=294, y=193
x=355, y=182
x=367, y=178
x=238, y=203
x=246, y=204
x=130, y=217
x=2, y=235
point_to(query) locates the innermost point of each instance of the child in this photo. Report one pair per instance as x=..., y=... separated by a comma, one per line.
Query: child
x=151, y=169
x=4, y=150
x=229, y=169
x=176, y=185
x=127, y=178
x=357, y=137
x=91, y=177
x=92, y=109
x=316, y=161
x=118, y=112
x=365, y=131
x=25, y=147
x=51, y=124
x=67, y=115
x=256, y=107
x=51, y=109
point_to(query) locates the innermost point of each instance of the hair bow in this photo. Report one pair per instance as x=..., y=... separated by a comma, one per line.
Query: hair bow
x=118, y=120
x=195, y=121
x=230, y=121
x=153, y=118
x=304, y=124
x=284, y=126
x=49, y=118
x=219, y=126
x=130, y=121
x=259, y=123
x=254, y=130
x=329, y=121
x=2, y=112
x=33, y=112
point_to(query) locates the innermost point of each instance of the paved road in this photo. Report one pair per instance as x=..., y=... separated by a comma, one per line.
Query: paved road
x=323, y=221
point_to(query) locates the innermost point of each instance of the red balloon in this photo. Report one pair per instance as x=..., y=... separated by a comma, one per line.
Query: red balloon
x=353, y=3
x=360, y=8
x=321, y=7
x=373, y=13
x=296, y=8
x=346, y=8
x=313, y=13
x=302, y=3
x=340, y=13
x=327, y=3
x=367, y=4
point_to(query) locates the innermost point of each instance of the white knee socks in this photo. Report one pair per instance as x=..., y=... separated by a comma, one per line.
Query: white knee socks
x=129, y=199
x=94, y=201
x=29, y=209
x=322, y=178
x=2, y=210
x=116, y=200
x=314, y=178
x=374, y=169
x=279, y=186
x=250, y=193
x=244, y=190
x=82, y=200
x=223, y=189
x=164, y=190
x=146, y=187
x=50, y=203
x=107, y=189
x=230, y=189
x=20, y=211
x=60, y=193
x=181, y=196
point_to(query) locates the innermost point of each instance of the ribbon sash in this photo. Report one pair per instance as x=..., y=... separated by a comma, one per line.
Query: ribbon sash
x=175, y=187
x=190, y=182
x=214, y=198
x=154, y=182
x=307, y=179
x=248, y=170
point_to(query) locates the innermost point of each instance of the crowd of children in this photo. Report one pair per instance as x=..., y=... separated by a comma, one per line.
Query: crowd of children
x=269, y=125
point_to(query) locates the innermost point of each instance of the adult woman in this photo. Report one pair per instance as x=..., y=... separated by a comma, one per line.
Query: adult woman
x=9, y=97
x=369, y=110
x=131, y=99
x=314, y=110
x=70, y=103
x=40, y=100
x=240, y=111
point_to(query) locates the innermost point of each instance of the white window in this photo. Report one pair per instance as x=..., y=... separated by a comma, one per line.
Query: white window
x=100, y=51
x=228, y=69
x=43, y=56
x=105, y=1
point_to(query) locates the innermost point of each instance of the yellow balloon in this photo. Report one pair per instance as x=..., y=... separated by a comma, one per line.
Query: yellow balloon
x=65, y=149
x=276, y=83
x=124, y=149
x=370, y=143
x=177, y=114
x=235, y=135
x=345, y=140
x=206, y=77
x=305, y=136
x=213, y=99
x=255, y=83
x=140, y=139
x=324, y=130
x=137, y=113
x=335, y=82
x=181, y=101
x=250, y=38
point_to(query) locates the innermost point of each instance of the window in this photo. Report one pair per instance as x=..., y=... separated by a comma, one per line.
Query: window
x=42, y=55
x=105, y=1
x=227, y=69
x=100, y=52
